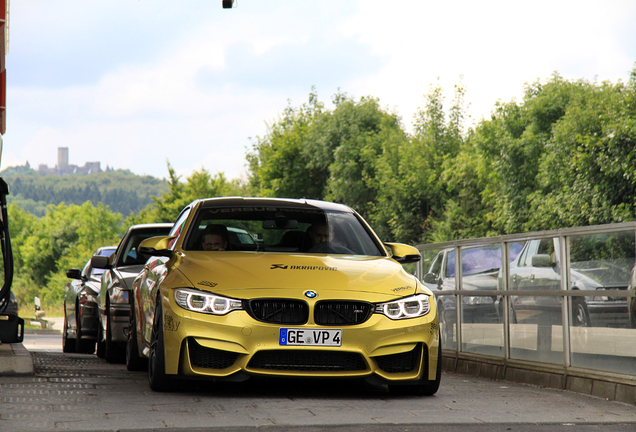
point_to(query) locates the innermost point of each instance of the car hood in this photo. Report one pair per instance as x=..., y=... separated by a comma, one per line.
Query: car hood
x=248, y=275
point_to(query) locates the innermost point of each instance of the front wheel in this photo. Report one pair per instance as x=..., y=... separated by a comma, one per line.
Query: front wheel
x=133, y=361
x=580, y=316
x=83, y=346
x=157, y=377
x=68, y=344
x=113, y=352
x=101, y=347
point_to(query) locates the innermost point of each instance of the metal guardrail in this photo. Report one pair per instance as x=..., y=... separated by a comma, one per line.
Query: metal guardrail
x=558, y=302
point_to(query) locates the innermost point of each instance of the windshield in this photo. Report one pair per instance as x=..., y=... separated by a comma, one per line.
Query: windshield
x=280, y=229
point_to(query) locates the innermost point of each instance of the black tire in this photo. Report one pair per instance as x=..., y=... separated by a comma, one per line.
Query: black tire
x=133, y=361
x=101, y=347
x=424, y=387
x=68, y=344
x=113, y=352
x=82, y=346
x=157, y=378
x=580, y=316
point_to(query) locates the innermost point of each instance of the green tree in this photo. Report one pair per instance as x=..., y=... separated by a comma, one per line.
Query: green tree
x=280, y=163
x=587, y=174
x=65, y=237
x=411, y=193
x=200, y=184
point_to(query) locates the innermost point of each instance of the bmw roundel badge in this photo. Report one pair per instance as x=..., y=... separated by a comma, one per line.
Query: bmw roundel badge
x=311, y=294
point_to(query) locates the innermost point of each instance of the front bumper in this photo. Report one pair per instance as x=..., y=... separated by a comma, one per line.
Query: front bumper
x=230, y=346
x=119, y=319
x=88, y=321
x=608, y=313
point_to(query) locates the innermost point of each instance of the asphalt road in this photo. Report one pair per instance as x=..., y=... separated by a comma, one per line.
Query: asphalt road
x=83, y=392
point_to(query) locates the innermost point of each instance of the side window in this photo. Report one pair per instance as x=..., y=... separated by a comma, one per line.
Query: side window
x=436, y=267
x=177, y=229
x=87, y=269
x=523, y=260
x=546, y=247
x=450, y=264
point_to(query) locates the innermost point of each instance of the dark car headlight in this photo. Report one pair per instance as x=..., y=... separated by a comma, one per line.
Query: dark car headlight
x=409, y=307
x=199, y=301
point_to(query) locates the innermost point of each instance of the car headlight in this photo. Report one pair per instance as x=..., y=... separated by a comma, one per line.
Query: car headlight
x=120, y=296
x=409, y=307
x=87, y=299
x=199, y=301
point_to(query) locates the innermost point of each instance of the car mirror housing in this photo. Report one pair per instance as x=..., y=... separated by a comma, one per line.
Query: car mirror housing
x=74, y=273
x=99, y=261
x=430, y=278
x=156, y=246
x=541, y=260
x=404, y=254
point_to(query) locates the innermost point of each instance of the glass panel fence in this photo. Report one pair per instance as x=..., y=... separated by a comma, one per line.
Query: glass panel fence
x=481, y=323
x=602, y=334
x=536, y=331
x=598, y=296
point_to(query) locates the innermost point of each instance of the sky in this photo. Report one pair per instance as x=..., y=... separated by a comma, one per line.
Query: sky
x=138, y=84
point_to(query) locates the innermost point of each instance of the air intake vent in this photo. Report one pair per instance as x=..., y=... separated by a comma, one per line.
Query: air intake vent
x=305, y=360
x=209, y=358
x=403, y=362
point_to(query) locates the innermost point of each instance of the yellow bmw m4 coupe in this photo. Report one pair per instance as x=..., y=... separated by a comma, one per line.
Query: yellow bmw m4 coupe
x=280, y=287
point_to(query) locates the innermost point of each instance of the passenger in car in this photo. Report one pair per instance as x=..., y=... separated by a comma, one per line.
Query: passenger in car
x=319, y=233
x=214, y=238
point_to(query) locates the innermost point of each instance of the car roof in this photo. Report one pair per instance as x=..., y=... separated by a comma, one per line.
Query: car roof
x=150, y=226
x=264, y=202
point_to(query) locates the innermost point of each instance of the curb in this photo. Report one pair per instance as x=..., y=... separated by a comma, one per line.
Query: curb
x=42, y=331
x=15, y=359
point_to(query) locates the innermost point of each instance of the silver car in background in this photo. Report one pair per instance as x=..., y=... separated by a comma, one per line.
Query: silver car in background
x=80, y=306
x=120, y=269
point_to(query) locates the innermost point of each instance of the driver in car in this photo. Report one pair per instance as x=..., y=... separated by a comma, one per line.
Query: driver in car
x=214, y=238
x=319, y=233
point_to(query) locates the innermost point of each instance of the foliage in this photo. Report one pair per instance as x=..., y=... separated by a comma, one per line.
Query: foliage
x=64, y=238
x=200, y=184
x=284, y=162
x=120, y=190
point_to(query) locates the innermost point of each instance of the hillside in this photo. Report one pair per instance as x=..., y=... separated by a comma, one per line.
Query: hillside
x=121, y=190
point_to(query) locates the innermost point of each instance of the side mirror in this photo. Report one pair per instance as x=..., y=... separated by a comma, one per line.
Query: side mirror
x=431, y=279
x=100, y=261
x=74, y=273
x=156, y=246
x=541, y=260
x=404, y=254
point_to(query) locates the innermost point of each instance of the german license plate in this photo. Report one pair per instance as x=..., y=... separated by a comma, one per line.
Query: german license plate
x=312, y=337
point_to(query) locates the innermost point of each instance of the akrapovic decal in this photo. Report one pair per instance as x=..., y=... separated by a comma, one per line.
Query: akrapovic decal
x=295, y=267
